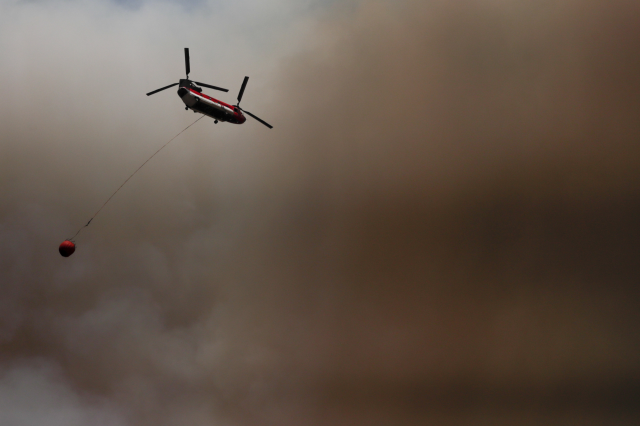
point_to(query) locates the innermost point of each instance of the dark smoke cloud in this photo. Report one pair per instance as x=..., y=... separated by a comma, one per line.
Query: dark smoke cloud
x=442, y=228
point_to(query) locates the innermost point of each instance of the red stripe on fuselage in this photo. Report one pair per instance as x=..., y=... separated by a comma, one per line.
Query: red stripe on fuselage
x=240, y=118
x=212, y=99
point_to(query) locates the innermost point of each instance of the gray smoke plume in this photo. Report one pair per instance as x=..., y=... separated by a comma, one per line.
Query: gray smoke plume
x=441, y=228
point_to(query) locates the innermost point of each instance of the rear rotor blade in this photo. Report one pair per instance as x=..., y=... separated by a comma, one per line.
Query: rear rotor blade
x=211, y=87
x=262, y=121
x=244, y=84
x=161, y=89
x=186, y=61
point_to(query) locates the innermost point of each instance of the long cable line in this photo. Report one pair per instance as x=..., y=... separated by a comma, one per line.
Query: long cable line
x=136, y=171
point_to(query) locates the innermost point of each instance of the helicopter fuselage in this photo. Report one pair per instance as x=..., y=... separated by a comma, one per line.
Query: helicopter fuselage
x=211, y=107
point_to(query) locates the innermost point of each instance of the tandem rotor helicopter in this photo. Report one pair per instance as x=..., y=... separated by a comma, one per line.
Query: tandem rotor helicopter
x=197, y=101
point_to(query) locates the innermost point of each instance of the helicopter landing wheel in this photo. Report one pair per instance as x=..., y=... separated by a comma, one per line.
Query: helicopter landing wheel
x=216, y=121
x=186, y=108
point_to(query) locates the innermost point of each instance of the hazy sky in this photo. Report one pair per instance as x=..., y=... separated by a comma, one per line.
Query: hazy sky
x=442, y=227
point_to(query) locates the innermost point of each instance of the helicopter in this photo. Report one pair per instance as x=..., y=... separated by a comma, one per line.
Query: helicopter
x=194, y=99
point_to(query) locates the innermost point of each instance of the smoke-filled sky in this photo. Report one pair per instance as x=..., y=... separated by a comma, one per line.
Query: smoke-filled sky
x=441, y=229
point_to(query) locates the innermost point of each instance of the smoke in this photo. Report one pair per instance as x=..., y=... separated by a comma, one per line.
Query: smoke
x=440, y=228
x=37, y=395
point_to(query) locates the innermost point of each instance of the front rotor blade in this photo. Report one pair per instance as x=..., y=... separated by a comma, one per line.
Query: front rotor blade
x=186, y=61
x=211, y=87
x=244, y=84
x=161, y=89
x=262, y=121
